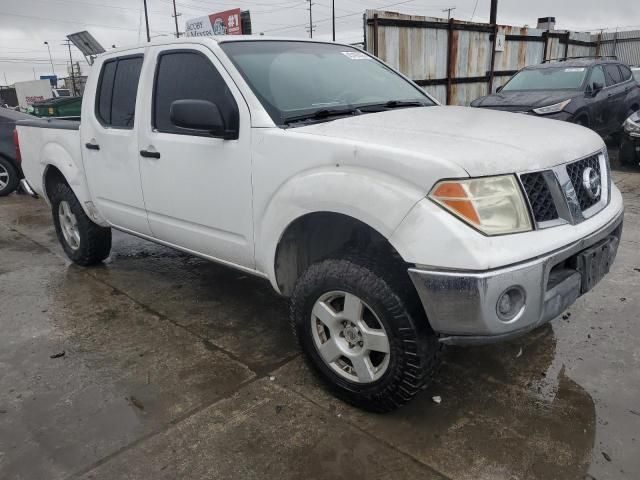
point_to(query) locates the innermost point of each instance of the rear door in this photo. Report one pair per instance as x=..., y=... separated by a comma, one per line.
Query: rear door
x=110, y=143
x=197, y=188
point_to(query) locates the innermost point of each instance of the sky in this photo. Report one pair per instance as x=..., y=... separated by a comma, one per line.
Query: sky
x=26, y=24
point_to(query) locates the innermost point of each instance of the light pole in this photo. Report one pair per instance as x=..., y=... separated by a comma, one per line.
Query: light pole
x=50, y=57
x=333, y=19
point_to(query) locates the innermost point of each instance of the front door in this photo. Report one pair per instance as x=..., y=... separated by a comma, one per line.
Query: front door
x=598, y=103
x=615, y=95
x=110, y=143
x=197, y=188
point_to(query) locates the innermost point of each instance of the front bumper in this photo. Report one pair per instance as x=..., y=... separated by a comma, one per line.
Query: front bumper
x=462, y=306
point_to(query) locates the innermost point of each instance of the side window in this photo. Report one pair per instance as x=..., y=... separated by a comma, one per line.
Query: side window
x=626, y=72
x=597, y=77
x=117, y=90
x=105, y=89
x=613, y=74
x=183, y=75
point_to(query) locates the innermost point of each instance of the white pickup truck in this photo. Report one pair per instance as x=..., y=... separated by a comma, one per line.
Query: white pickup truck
x=394, y=225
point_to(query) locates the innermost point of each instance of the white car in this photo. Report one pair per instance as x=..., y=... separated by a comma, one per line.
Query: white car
x=394, y=225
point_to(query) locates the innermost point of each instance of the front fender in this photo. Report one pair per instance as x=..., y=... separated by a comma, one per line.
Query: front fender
x=374, y=198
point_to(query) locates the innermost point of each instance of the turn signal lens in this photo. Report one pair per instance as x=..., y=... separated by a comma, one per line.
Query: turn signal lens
x=493, y=205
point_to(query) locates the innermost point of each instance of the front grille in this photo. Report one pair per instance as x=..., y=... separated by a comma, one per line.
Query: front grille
x=542, y=206
x=559, y=193
x=575, y=171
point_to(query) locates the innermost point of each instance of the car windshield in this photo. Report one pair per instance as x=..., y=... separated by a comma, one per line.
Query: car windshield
x=305, y=81
x=560, y=78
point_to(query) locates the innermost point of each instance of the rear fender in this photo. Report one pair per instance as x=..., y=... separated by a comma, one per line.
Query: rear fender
x=56, y=156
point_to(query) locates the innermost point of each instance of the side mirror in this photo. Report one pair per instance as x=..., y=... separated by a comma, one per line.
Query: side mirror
x=200, y=115
x=499, y=89
x=596, y=87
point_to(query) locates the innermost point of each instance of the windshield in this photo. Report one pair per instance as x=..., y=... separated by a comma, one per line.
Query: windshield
x=293, y=79
x=561, y=78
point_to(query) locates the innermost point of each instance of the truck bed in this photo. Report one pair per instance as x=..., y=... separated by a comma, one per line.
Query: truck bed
x=51, y=142
x=68, y=123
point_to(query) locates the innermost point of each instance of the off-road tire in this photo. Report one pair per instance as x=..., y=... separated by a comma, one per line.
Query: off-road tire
x=13, y=179
x=414, y=349
x=95, y=241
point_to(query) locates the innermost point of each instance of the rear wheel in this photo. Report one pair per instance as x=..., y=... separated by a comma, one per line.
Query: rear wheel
x=84, y=242
x=8, y=177
x=363, y=331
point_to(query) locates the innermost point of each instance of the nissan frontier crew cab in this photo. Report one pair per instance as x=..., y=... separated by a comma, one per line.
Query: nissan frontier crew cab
x=394, y=225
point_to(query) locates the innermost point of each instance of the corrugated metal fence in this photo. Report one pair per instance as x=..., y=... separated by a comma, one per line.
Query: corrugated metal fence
x=458, y=62
x=624, y=45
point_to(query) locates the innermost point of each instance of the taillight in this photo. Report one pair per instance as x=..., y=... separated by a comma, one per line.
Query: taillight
x=16, y=143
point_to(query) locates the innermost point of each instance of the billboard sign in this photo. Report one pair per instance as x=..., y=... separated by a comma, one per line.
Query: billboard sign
x=222, y=23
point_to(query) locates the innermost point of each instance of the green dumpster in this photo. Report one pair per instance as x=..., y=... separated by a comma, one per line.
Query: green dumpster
x=58, y=107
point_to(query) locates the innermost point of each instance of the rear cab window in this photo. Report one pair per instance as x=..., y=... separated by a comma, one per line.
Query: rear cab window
x=117, y=90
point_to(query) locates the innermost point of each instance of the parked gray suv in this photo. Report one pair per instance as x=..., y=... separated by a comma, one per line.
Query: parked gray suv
x=597, y=92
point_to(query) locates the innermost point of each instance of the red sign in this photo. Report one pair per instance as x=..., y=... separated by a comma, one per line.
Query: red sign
x=226, y=23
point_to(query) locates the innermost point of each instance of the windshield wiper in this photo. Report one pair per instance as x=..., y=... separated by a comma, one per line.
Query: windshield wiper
x=378, y=107
x=322, y=114
x=404, y=103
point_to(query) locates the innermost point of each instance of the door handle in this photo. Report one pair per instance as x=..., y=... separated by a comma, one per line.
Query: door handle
x=92, y=146
x=148, y=154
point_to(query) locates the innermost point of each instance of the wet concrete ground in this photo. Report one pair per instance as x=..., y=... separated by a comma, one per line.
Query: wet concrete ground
x=177, y=368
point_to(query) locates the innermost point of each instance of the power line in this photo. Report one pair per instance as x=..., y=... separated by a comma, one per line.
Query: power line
x=339, y=16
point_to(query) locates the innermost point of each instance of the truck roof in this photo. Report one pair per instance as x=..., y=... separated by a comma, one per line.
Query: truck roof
x=216, y=39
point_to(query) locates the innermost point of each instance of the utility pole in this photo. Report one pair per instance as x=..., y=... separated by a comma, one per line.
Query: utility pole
x=493, y=14
x=333, y=19
x=310, y=20
x=175, y=17
x=146, y=20
x=449, y=10
x=73, y=75
x=53, y=70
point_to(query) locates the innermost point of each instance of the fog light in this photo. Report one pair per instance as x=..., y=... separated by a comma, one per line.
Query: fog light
x=510, y=303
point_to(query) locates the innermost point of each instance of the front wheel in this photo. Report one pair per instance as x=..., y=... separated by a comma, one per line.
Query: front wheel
x=363, y=332
x=84, y=242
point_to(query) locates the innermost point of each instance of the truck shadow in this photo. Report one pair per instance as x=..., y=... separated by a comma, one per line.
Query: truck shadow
x=508, y=409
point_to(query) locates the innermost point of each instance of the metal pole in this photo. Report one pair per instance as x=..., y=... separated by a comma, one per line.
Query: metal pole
x=53, y=70
x=146, y=20
x=493, y=15
x=450, y=62
x=448, y=10
x=175, y=17
x=333, y=18
x=73, y=75
x=310, y=20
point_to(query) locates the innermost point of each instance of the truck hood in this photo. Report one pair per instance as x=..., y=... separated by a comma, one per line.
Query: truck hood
x=482, y=142
x=524, y=101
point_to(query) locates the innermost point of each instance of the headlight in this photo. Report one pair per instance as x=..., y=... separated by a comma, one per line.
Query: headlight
x=555, y=108
x=493, y=205
x=632, y=125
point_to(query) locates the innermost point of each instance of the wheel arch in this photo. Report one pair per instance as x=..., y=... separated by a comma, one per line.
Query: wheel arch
x=318, y=235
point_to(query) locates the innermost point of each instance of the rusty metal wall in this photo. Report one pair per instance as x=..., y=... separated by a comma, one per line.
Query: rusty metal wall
x=625, y=45
x=418, y=46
